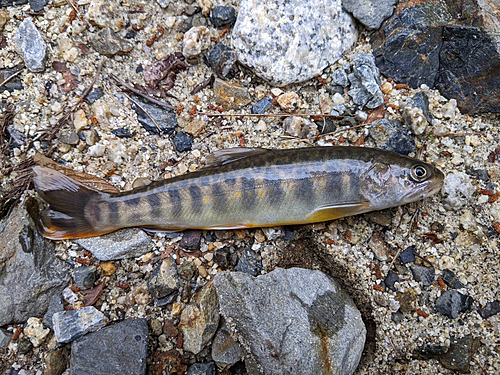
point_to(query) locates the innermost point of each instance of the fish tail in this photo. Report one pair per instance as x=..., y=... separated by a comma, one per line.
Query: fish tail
x=67, y=199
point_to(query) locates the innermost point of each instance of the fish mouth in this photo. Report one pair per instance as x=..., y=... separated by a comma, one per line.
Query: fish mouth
x=427, y=189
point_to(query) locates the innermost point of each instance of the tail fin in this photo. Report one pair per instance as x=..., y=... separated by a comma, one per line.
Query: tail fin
x=67, y=199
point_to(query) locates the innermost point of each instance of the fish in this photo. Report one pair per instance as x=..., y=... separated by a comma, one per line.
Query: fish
x=241, y=188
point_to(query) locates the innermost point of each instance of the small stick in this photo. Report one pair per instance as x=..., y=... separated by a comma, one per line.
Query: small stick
x=140, y=93
x=11, y=77
x=453, y=134
x=75, y=8
x=211, y=114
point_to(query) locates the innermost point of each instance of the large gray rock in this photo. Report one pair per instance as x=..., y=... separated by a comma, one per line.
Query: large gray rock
x=291, y=41
x=294, y=321
x=30, y=274
x=69, y=325
x=30, y=45
x=125, y=243
x=370, y=13
x=117, y=349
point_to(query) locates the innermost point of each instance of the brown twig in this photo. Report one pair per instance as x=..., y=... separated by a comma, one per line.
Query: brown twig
x=11, y=77
x=211, y=114
x=140, y=93
x=453, y=134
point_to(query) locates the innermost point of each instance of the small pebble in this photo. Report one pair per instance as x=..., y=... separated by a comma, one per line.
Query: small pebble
x=452, y=280
x=249, y=262
x=262, y=106
x=451, y=303
x=407, y=255
x=195, y=127
x=122, y=133
x=422, y=274
x=222, y=60
x=201, y=369
x=391, y=278
x=183, y=142
x=288, y=101
x=223, y=15
x=191, y=239
x=490, y=309
x=84, y=277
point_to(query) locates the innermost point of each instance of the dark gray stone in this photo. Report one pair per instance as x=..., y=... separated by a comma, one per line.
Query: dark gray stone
x=262, y=106
x=293, y=321
x=30, y=45
x=122, y=244
x=424, y=275
x=459, y=354
x=5, y=338
x=490, y=309
x=108, y=43
x=183, y=142
x=451, y=303
x=30, y=273
x=164, y=279
x=250, y=262
x=337, y=110
x=69, y=325
x=428, y=351
x=94, y=95
x=225, y=350
x=222, y=257
x=117, y=349
x=391, y=278
x=6, y=3
x=452, y=280
x=122, y=133
x=339, y=78
x=84, y=276
x=37, y=5
x=164, y=118
x=407, y=255
x=222, y=60
x=421, y=100
x=14, y=84
x=16, y=138
x=397, y=317
x=55, y=306
x=371, y=13
x=365, y=81
x=191, y=239
x=390, y=135
x=201, y=369
x=222, y=16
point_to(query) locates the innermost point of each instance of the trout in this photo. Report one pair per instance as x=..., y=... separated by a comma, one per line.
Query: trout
x=242, y=188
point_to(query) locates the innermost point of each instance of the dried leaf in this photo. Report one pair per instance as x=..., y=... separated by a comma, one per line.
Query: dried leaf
x=90, y=296
x=377, y=114
x=166, y=68
x=433, y=237
x=91, y=181
x=70, y=80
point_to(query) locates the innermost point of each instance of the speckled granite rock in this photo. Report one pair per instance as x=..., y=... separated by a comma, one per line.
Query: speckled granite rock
x=370, y=13
x=125, y=243
x=30, y=45
x=291, y=41
x=293, y=321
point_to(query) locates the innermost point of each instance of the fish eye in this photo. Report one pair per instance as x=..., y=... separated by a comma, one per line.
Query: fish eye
x=418, y=173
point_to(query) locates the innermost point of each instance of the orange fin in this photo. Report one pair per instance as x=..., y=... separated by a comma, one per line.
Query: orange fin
x=67, y=199
x=228, y=155
x=333, y=212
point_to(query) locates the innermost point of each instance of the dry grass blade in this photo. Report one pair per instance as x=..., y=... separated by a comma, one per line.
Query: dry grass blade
x=212, y=114
x=11, y=77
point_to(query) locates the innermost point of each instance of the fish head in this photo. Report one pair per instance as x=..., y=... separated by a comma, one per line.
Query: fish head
x=396, y=179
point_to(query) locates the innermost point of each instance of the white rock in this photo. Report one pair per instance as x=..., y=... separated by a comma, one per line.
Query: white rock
x=457, y=190
x=35, y=331
x=196, y=40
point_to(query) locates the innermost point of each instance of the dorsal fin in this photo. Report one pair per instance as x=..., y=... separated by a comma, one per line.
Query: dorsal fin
x=229, y=155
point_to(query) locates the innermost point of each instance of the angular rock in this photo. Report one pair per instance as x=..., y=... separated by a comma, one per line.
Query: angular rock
x=196, y=40
x=451, y=303
x=94, y=95
x=14, y=84
x=222, y=60
x=391, y=278
x=84, y=276
x=55, y=305
x=222, y=257
x=183, y=142
x=452, y=280
x=365, y=81
x=164, y=279
x=407, y=255
x=5, y=338
x=191, y=239
x=37, y=5
x=250, y=262
x=35, y=331
x=370, y=13
x=262, y=106
x=424, y=275
x=201, y=369
x=230, y=95
x=200, y=319
x=490, y=309
x=429, y=351
x=457, y=190
x=69, y=325
x=222, y=15
x=17, y=139
x=117, y=349
x=30, y=274
x=109, y=43
x=459, y=354
x=416, y=113
x=293, y=321
x=195, y=127
x=390, y=135
x=122, y=244
x=30, y=45
x=309, y=36
x=164, y=119
x=225, y=350
x=340, y=78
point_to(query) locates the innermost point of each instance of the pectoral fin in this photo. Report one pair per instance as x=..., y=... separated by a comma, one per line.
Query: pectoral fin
x=326, y=213
x=222, y=157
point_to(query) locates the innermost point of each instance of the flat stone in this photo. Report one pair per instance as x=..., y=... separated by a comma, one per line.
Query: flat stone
x=490, y=309
x=370, y=13
x=383, y=218
x=250, y=262
x=201, y=369
x=262, y=106
x=293, y=321
x=30, y=45
x=108, y=43
x=459, y=354
x=451, y=279
x=365, y=81
x=309, y=36
x=428, y=351
x=230, y=95
x=424, y=275
x=117, y=349
x=122, y=244
x=55, y=305
x=37, y=5
x=183, y=142
x=451, y=303
x=164, y=279
x=222, y=60
x=69, y=325
x=122, y=133
x=30, y=273
x=390, y=135
x=191, y=239
x=84, y=276
x=391, y=278
x=225, y=350
x=200, y=319
x=164, y=119
x=379, y=246
x=407, y=255
x=222, y=16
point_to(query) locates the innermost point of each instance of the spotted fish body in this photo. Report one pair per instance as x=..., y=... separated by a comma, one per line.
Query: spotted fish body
x=243, y=188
